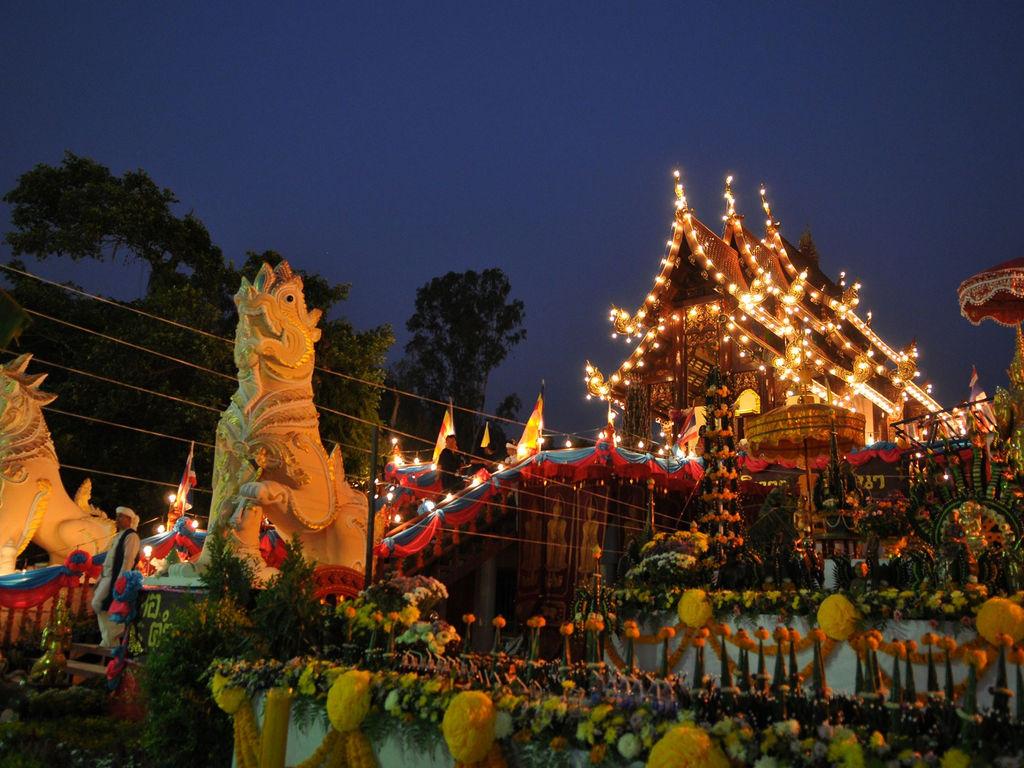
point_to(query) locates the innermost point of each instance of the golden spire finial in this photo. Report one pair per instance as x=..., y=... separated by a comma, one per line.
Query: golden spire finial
x=730, y=200
x=769, y=223
x=680, y=192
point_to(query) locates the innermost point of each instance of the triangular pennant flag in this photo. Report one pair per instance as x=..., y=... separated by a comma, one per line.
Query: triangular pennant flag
x=447, y=428
x=530, y=442
x=486, y=439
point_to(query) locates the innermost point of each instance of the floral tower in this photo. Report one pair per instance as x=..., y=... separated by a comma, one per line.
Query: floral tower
x=719, y=518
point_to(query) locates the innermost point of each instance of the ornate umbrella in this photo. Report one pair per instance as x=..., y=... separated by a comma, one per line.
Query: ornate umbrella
x=995, y=294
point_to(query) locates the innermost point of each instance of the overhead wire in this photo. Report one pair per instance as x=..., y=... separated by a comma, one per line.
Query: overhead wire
x=329, y=371
x=93, y=470
x=206, y=369
x=342, y=414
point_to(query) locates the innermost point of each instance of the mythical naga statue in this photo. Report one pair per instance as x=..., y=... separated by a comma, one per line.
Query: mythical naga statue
x=33, y=503
x=269, y=460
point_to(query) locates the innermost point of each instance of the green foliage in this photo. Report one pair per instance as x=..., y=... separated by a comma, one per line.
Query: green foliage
x=227, y=576
x=183, y=725
x=74, y=741
x=66, y=702
x=463, y=327
x=80, y=210
x=288, y=614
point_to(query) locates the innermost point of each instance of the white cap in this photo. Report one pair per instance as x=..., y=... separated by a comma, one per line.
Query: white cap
x=130, y=513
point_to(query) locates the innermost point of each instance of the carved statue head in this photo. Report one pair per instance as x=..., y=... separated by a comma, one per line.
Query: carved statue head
x=274, y=324
x=21, y=403
x=19, y=391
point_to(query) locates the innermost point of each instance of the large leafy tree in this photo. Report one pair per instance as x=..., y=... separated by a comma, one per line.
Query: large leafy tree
x=464, y=326
x=79, y=210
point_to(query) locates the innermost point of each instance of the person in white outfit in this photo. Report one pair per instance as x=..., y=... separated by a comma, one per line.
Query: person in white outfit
x=121, y=557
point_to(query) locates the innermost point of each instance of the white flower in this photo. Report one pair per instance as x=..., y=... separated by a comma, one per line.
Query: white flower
x=629, y=745
x=391, y=702
x=502, y=725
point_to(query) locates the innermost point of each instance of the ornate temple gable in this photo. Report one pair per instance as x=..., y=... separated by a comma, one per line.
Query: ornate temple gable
x=774, y=311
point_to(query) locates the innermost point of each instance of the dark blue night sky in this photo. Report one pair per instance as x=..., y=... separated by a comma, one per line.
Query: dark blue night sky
x=385, y=145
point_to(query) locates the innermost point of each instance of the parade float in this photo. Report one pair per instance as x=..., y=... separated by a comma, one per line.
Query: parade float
x=826, y=624
x=816, y=565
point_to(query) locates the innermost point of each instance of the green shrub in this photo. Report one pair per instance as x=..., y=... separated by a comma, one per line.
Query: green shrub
x=66, y=702
x=75, y=742
x=288, y=614
x=227, y=575
x=183, y=725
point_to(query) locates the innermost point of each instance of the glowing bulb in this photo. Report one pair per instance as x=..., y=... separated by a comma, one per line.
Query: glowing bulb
x=147, y=551
x=161, y=528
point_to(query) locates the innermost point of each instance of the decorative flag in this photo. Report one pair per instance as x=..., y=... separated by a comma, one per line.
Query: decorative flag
x=983, y=413
x=486, y=439
x=447, y=428
x=530, y=442
x=688, y=432
x=187, y=483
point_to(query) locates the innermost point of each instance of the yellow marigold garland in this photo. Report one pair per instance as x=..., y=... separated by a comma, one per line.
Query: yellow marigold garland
x=694, y=609
x=348, y=702
x=837, y=617
x=684, y=746
x=468, y=728
x=998, y=616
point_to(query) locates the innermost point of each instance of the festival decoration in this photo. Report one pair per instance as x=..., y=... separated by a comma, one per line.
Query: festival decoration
x=694, y=608
x=51, y=666
x=719, y=519
x=348, y=701
x=686, y=745
x=36, y=508
x=269, y=460
x=996, y=294
x=837, y=617
x=1000, y=617
x=468, y=727
x=126, y=597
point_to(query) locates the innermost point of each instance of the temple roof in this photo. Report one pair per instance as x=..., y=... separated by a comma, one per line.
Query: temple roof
x=776, y=304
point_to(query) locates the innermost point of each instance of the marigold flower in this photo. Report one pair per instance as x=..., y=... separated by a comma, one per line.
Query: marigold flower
x=762, y=633
x=666, y=633
x=977, y=659
x=499, y=621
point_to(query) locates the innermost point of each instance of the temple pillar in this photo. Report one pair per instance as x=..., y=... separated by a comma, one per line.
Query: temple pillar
x=483, y=605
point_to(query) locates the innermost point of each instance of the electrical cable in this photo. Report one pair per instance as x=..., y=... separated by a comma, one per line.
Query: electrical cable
x=205, y=369
x=350, y=377
x=329, y=410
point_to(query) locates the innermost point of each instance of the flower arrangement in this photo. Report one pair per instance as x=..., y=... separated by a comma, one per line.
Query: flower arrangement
x=617, y=722
x=434, y=636
x=876, y=606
